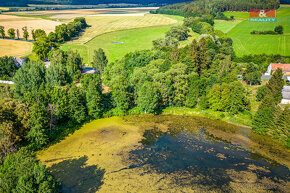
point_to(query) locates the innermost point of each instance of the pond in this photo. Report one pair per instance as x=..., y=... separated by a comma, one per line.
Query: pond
x=118, y=43
x=165, y=153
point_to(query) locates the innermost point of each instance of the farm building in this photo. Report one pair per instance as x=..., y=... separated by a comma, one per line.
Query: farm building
x=274, y=66
x=285, y=95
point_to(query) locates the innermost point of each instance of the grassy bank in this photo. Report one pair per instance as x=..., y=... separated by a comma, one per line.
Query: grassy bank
x=239, y=119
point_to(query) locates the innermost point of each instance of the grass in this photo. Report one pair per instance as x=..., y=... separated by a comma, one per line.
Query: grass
x=106, y=30
x=104, y=24
x=240, y=119
x=36, y=16
x=11, y=21
x=237, y=15
x=134, y=39
x=225, y=26
x=244, y=43
x=15, y=48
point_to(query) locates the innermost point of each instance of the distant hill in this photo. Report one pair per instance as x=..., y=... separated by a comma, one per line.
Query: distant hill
x=21, y=3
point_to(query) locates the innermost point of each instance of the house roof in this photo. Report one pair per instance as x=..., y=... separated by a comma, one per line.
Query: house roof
x=284, y=67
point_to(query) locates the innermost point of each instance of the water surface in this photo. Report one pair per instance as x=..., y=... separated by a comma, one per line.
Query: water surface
x=165, y=153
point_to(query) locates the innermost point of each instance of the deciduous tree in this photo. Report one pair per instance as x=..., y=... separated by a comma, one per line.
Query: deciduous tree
x=25, y=32
x=11, y=33
x=2, y=31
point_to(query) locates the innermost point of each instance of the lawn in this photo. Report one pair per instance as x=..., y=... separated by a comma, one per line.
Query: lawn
x=134, y=33
x=245, y=43
x=14, y=48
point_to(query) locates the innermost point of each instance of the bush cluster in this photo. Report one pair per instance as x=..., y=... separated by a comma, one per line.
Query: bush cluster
x=278, y=30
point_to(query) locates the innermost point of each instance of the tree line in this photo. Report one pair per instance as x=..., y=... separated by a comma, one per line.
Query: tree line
x=277, y=30
x=205, y=7
x=24, y=3
x=271, y=119
x=12, y=33
x=43, y=43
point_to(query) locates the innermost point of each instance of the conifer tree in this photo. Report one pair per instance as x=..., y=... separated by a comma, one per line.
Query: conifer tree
x=77, y=103
x=275, y=85
x=37, y=136
x=94, y=98
x=100, y=60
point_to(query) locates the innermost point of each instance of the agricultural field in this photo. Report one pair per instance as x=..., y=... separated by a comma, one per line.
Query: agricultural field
x=10, y=21
x=65, y=15
x=15, y=48
x=119, y=43
x=237, y=15
x=245, y=43
x=106, y=26
x=226, y=26
x=118, y=35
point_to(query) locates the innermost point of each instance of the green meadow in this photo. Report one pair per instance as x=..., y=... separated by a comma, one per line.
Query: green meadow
x=237, y=15
x=244, y=43
x=225, y=26
x=130, y=40
x=138, y=38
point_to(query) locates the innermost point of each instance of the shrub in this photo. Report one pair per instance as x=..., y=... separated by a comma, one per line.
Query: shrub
x=279, y=29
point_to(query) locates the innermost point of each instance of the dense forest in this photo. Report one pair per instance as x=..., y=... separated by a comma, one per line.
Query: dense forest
x=202, y=7
x=24, y=3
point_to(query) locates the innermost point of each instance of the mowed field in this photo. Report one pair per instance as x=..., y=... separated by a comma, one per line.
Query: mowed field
x=129, y=40
x=244, y=43
x=105, y=27
x=10, y=21
x=15, y=48
x=21, y=48
x=65, y=15
x=132, y=32
x=104, y=24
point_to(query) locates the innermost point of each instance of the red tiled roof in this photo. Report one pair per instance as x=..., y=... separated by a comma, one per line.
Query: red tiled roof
x=284, y=67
